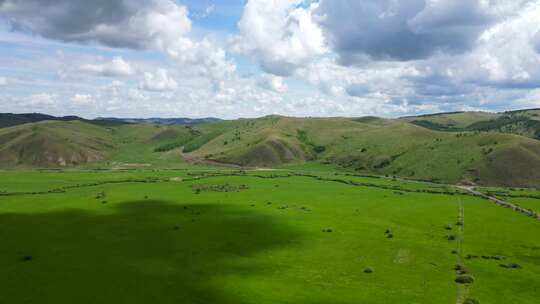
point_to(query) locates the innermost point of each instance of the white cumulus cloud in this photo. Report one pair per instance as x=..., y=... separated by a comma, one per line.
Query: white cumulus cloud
x=117, y=67
x=162, y=25
x=42, y=99
x=272, y=82
x=159, y=81
x=280, y=34
x=82, y=99
x=138, y=24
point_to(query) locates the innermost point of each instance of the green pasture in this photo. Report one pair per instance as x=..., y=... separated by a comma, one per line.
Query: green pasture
x=199, y=236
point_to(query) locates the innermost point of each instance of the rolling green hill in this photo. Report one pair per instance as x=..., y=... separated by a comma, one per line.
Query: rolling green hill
x=52, y=143
x=466, y=147
x=69, y=143
x=382, y=147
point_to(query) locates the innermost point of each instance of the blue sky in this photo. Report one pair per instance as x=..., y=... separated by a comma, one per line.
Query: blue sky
x=168, y=58
x=224, y=14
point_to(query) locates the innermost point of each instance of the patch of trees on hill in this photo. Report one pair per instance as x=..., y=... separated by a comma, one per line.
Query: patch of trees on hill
x=301, y=135
x=514, y=124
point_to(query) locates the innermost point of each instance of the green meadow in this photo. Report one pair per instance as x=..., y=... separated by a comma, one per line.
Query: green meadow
x=195, y=235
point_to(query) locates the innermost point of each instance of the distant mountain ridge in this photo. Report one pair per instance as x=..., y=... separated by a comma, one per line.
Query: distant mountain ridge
x=12, y=119
x=163, y=121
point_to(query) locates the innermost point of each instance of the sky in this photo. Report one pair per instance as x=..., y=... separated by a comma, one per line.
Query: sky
x=237, y=58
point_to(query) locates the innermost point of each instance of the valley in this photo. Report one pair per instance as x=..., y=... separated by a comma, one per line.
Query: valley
x=268, y=210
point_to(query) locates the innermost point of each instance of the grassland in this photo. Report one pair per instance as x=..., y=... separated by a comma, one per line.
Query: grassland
x=297, y=235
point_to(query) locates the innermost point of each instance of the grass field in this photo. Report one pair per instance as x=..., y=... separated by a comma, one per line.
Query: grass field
x=204, y=236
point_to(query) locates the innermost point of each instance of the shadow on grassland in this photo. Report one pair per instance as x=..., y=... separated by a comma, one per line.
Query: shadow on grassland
x=143, y=252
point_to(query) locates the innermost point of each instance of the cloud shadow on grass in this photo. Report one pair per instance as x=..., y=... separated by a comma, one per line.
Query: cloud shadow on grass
x=143, y=252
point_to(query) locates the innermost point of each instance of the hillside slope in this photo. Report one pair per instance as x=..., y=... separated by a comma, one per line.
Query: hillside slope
x=53, y=143
x=380, y=146
x=78, y=142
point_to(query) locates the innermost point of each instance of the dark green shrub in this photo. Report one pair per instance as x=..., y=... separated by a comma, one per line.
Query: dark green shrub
x=464, y=279
x=368, y=270
x=514, y=265
x=510, y=265
x=471, y=301
x=461, y=269
x=100, y=195
x=319, y=149
x=302, y=136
